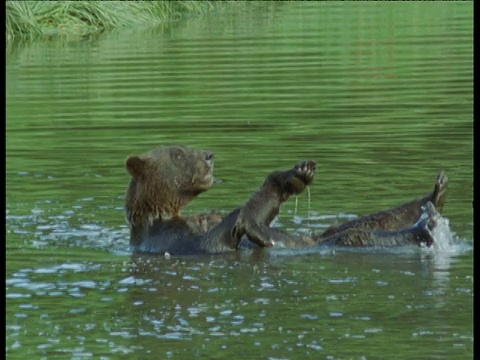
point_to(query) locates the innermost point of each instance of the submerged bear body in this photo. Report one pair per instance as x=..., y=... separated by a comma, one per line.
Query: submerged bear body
x=166, y=179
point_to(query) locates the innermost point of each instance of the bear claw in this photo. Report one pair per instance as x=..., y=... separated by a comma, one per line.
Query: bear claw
x=306, y=169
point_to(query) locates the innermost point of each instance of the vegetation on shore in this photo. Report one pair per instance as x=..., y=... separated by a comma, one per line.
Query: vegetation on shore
x=30, y=19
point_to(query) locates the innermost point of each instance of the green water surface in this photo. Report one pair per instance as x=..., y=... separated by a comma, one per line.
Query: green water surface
x=380, y=94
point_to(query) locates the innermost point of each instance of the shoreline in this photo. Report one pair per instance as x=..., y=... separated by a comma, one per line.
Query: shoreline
x=27, y=20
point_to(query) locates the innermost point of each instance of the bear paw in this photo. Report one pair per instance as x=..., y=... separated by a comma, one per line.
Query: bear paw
x=306, y=171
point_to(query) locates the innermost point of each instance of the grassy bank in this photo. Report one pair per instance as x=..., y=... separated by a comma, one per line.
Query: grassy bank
x=30, y=19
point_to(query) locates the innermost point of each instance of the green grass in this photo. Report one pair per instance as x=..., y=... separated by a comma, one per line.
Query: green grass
x=31, y=19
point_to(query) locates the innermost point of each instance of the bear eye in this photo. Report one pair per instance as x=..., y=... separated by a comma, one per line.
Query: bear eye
x=177, y=154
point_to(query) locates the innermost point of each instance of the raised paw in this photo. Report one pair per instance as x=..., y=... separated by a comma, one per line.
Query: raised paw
x=306, y=171
x=298, y=178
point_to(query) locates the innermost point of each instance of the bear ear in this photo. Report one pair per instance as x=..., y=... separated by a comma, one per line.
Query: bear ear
x=135, y=166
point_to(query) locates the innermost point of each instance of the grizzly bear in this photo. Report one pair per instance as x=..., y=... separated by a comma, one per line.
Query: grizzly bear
x=166, y=179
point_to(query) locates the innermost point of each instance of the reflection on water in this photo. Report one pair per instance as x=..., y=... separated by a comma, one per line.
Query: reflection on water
x=380, y=95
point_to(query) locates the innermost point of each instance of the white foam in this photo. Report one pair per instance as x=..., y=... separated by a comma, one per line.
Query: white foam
x=446, y=247
x=445, y=240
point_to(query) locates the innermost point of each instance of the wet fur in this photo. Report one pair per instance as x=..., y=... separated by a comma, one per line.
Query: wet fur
x=166, y=179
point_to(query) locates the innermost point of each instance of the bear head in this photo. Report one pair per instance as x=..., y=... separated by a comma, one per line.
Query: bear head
x=164, y=180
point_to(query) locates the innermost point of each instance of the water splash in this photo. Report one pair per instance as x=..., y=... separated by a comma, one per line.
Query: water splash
x=444, y=252
x=445, y=239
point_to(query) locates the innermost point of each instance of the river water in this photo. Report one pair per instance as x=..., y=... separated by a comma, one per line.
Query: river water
x=379, y=94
